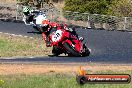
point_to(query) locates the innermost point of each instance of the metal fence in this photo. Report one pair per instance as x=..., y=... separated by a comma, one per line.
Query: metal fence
x=14, y=11
x=50, y=11
x=97, y=21
x=94, y=21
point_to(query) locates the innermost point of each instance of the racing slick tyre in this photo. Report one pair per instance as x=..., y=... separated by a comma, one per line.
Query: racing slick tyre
x=56, y=51
x=70, y=50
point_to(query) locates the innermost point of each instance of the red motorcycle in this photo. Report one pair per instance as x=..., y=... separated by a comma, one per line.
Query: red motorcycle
x=64, y=42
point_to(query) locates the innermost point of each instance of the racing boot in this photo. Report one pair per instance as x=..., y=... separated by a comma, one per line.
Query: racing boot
x=86, y=51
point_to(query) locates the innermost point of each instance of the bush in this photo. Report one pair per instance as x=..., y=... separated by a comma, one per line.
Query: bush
x=121, y=8
x=90, y=6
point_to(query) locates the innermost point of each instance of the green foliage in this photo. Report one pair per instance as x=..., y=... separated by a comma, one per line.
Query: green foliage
x=90, y=6
x=106, y=7
x=85, y=6
x=121, y=8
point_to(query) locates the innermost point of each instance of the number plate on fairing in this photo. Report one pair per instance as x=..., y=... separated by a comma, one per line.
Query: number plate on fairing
x=57, y=36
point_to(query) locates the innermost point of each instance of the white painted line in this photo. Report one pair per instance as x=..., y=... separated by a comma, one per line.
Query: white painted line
x=6, y=33
x=20, y=35
x=17, y=35
x=13, y=34
x=26, y=36
x=21, y=57
x=31, y=37
x=31, y=57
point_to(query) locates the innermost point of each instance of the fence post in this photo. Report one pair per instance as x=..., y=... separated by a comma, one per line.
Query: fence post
x=88, y=20
x=75, y=14
x=89, y=26
x=125, y=22
x=68, y=20
x=17, y=11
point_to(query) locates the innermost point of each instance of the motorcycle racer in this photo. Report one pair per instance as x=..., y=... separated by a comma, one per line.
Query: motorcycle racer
x=52, y=32
x=33, y=17
x=48, y=27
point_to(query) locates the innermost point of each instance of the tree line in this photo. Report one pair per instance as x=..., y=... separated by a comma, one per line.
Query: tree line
x=106, y=7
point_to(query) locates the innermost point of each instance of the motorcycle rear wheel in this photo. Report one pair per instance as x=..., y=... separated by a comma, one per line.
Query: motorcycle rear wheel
x=70, y=50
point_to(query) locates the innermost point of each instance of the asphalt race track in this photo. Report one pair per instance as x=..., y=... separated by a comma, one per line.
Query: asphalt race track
x=106, y=46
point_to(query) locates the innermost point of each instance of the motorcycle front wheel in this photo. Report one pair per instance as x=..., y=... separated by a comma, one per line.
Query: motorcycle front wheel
x=70, y=50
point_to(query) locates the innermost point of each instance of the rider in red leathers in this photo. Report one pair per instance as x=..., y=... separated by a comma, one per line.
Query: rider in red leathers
x=49, y=27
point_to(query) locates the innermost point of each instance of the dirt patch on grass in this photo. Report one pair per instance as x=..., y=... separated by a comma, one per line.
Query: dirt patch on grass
x=6, y=69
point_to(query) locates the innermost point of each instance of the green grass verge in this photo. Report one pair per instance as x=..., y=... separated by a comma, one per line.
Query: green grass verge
x=15, y=46
x=12, y=46
x=52, y=80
